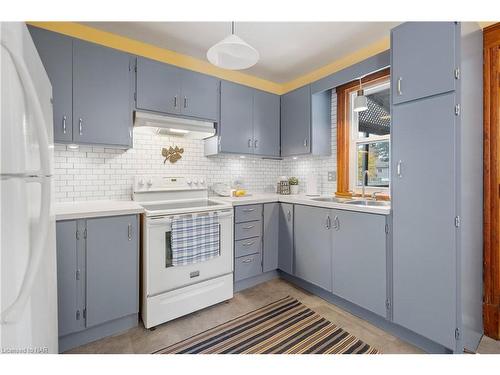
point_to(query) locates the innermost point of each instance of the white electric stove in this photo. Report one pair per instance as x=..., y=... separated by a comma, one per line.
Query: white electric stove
x=170, y=291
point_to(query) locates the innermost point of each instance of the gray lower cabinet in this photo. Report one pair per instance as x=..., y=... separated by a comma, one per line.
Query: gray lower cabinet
x=168, y=89
x=270, y=236
x=359, y=259
x=56, y=53
x=313, y=243
x=69, y=267
x=97, y=276
x=424, y=59
x=102, y=95
x=112, y=268
x=285, y=242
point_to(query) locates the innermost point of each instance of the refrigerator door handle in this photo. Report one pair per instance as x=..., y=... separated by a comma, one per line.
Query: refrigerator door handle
x=39, y=235
x=33, y=103
x=14, y=312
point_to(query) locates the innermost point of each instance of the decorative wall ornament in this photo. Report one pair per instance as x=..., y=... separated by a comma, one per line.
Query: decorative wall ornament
x=172, y=154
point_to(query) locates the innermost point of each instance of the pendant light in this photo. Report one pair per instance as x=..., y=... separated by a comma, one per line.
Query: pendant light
x=360, y=101
x=233, y=53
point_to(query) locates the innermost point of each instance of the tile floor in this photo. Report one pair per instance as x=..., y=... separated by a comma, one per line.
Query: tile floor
x=141, y=340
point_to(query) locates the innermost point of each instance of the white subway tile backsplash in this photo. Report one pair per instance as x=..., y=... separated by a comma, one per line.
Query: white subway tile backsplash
x=92, y=172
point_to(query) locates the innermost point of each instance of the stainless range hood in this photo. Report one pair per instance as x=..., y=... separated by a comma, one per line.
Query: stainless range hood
x=174, y=126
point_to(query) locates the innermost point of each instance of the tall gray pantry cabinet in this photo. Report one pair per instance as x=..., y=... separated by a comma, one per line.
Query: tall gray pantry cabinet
x=436, y=181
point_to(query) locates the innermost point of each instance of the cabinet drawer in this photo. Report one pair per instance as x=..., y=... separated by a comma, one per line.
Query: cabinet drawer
x=248, y=213
x=248, y=266
x=247, y=247
x=247, y=230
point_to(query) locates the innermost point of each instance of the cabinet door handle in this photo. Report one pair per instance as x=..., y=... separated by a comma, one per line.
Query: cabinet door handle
x=249, y=143
x=398, y=169
x=328, y=223
x=305, y=142
x=185, y=102
x=249, y=210
x=336, y=223
x=80, y=126
x=175, y=101
x=64, y=124
x=249, y=243
x=249, y=227
x=289, y=215
x=248, y=260
x=130, y=232
x=255, y=144
x=399, y=86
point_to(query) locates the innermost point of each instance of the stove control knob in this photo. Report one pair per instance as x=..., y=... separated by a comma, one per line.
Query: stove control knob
x=196, y=181
x=202, y=182
x=189, y=182
x=150, y=182
x=140, y=182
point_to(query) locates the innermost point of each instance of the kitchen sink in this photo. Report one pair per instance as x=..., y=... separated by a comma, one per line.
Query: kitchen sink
x=330, y=199
x=369, y=203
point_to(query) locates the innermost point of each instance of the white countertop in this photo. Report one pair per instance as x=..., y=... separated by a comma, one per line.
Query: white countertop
x=303, y=199
x=86, y=209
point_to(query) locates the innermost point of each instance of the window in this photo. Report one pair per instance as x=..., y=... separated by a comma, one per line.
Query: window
x=363, y=138
x=370, y=139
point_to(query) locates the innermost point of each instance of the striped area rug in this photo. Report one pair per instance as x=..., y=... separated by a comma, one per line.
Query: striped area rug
x=284, y=326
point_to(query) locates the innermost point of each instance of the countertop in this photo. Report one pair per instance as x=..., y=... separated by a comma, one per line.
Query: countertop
x=301, y=199
x=86, y=209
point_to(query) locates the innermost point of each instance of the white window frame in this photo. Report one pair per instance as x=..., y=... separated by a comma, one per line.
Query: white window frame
x=355, y=140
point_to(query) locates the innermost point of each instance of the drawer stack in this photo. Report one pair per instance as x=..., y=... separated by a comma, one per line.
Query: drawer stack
x=247, y=241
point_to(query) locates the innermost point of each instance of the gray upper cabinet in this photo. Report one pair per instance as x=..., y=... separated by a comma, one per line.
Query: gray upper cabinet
x=249, y=121
x=266, y=124
x=112, y=268
x=56, y=52
x=296, y=122
x=158, y=86
x=70, y=310
x=424, y=234
x=313, y=245
x=200, y=95
x=236, y=118
x=285, y=250
x=359, y=259
x=92, y=90
x=270, y=236
x=423, y=59
x=165, y=88
x=102, y=95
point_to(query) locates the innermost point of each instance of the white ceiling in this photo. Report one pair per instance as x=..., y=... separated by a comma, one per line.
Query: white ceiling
x=287, y=49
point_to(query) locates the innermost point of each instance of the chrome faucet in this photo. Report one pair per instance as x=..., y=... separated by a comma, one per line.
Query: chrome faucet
x=366, y=175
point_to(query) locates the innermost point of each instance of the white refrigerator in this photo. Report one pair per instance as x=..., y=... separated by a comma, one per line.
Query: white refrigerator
x=28, y=277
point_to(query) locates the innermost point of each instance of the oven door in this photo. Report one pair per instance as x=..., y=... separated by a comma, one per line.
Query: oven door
x=162, y=277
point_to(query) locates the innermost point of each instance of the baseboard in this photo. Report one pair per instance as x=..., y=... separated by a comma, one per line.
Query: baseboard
x=113, y=327
x=252, y=281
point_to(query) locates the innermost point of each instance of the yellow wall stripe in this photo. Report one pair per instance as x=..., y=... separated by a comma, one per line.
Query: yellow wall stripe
x=135, y=47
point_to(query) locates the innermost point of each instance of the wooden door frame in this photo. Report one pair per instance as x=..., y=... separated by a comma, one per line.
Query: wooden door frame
x=491, y=262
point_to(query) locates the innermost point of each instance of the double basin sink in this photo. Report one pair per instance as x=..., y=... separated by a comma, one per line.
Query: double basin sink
x=356, y=202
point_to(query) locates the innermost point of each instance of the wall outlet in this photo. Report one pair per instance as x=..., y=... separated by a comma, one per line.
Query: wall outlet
x=332, y=175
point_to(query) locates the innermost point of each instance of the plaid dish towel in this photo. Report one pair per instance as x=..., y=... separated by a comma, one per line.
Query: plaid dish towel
x=195, y=239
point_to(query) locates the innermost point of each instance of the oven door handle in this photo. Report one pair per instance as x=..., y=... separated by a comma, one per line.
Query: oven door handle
x=168, y=220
